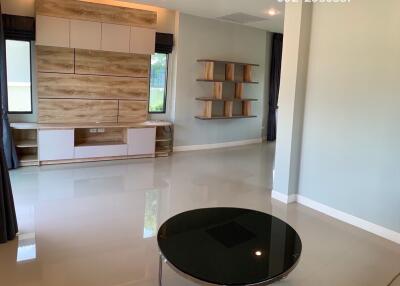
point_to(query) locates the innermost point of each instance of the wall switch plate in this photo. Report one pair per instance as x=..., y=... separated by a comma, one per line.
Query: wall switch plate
x=101, y=130
x=93, y=130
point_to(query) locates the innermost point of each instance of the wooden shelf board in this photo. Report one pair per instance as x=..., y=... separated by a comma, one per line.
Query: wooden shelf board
x=233, y=81
x=99, y=144
x=225, y=99
x=26, y=144
x=224, y=117
x=162, y=154
x=24, y=126
x=29, y=160
x=164, y=140
x=226, y=62
x=163, y=150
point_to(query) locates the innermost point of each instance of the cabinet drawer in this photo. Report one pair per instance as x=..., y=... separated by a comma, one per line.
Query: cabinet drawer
x=56, y=144
x=115, y=38
x=85, y=35
x=82, y=152
x=143, y=41
x=52, y=31
x=141, y=141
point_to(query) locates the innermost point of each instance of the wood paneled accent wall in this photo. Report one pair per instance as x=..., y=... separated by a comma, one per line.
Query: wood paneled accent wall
x=74, y=9
x=80, y=86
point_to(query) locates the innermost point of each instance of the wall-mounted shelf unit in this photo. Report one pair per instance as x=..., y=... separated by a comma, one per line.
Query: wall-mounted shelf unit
x=234, y=72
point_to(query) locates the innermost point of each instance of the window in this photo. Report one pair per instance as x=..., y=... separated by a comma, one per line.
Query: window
x=158, y=83
x=18, y=59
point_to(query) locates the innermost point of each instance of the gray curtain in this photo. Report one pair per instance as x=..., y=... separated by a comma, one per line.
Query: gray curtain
x=10, y=151
x=275, y=81
x=8, y=219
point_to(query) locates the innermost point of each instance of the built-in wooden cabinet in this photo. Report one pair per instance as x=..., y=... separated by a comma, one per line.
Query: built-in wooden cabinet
x=164, y=140
x=143, y=41
x=85, y=35
x=141, y=141
x=56, y=144
x=52, y=31
x=96, y=36
x=26, y=144
x=39, y=144
x=115, y=38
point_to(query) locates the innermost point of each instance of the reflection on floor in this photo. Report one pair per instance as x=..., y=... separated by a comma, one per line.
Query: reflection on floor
x=95, y=224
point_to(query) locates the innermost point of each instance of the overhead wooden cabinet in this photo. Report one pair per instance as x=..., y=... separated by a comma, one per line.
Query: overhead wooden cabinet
x=52, y=31
x=143, y=41
x=141, y=141
x=85, y=35
x=115, y=38
x=56, y=144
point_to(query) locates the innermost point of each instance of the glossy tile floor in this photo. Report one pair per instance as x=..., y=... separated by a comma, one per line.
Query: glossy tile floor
x=95, y=224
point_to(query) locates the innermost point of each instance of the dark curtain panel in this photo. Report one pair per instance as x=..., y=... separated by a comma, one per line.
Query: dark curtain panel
x=164, y=43
x=275, y=80
x=15, y=26
x=8, y=219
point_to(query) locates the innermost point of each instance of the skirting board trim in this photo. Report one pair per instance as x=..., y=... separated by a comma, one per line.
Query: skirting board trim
x=217, y=145
x=284, y=198
x=339, y=215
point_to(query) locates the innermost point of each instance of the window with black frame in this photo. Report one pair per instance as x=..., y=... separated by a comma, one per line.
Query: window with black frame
x=158, y=83
x=19, y=77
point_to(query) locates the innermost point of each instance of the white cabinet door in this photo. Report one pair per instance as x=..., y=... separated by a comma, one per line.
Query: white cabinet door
x=141, y=141
x=85, y=35
x=51, y=31
x=82, y=152
x=143, y=41
x=115, y=38
x=56, y=144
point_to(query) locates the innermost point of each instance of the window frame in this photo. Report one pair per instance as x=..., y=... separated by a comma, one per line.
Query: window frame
x=166, y=87
x=30, y=72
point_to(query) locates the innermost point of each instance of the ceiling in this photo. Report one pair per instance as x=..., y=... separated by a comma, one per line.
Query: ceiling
x=204, y=8
x=219, y=8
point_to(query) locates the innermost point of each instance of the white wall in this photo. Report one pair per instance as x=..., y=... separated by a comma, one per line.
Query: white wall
x=292, y=96
x=351, y=140
x=205, y=38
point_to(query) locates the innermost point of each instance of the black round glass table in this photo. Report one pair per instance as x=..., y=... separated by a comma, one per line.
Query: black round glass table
x=229, y=246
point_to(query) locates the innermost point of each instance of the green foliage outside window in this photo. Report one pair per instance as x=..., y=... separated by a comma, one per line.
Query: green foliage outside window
x=158, y=83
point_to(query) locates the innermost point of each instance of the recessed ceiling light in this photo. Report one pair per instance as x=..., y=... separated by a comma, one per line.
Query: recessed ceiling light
x=258, y=253
x=272, y=12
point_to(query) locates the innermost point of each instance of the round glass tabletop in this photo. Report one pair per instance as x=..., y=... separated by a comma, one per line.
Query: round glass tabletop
x=230, y=246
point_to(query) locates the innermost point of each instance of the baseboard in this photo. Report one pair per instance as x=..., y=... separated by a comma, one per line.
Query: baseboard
x=284, y=198
x=217, y=145
x=339, y=215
